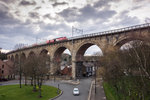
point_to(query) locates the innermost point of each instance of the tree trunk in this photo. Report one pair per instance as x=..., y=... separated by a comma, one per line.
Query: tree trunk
x=25, y=80
x=40, y=94
x=34, y=86
x=20, y=79
x=40, y=85
x=32, y=81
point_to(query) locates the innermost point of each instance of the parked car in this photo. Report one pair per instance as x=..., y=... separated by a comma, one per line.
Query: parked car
x=76, y=91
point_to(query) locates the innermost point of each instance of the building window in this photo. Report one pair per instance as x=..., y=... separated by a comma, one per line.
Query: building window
x=2, y=66
x=2, y=72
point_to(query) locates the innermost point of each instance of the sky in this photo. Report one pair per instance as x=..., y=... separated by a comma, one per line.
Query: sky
x=31, y=21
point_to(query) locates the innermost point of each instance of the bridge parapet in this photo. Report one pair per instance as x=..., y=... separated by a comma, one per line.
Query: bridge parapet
x=112, y=31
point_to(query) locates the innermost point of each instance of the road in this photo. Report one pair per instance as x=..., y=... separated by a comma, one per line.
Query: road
x=67, y=88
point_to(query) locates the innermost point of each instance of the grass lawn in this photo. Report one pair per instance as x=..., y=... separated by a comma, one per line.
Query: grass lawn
x=127, y=85
x=109, y=92
x=13, y=92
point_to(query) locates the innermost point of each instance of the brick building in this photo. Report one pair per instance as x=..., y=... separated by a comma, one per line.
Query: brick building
x=66, y=71
x=6, y=69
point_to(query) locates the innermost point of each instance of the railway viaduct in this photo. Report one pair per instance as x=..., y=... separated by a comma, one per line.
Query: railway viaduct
x=78, y=45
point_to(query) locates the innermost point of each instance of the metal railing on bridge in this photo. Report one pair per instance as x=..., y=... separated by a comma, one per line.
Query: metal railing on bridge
x=112, y=31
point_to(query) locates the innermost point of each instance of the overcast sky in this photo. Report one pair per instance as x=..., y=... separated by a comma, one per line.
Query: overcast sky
x=21, y=21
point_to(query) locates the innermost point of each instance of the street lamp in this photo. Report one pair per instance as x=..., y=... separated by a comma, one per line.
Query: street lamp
x=58, y=89
x=95, y=68
x=20, y=69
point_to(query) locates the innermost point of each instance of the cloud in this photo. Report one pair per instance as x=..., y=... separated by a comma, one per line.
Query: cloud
x=34, y=15
x=62, y=28
x=86, y=13
x=138, y=1
x=47, y=16
x=69, y=14
x=59, y=3
x=126, y=20
x=27, y=3
x=8, y=1
x=4, y=51
x=101, y=3
x=6, y=18
x=37, y=8
x=122, y=20
x=137, y=7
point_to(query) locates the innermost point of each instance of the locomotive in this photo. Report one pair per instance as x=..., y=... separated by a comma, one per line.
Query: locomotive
x=56, y=40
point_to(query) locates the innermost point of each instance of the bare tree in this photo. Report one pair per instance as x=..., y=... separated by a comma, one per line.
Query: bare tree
x=36, y=68
x=129, y=66
x=42, y=70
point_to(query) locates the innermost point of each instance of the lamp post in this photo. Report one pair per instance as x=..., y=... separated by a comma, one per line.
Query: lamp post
x=20, y=70
x=95, y=67
x=58, y=89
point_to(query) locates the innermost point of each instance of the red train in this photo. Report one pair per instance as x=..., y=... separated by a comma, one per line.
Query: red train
x=56, y=40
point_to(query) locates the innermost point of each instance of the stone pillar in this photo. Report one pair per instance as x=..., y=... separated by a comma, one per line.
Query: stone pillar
x=73, y=69
x=73, y=65
x=109, y=48
x=52, y=66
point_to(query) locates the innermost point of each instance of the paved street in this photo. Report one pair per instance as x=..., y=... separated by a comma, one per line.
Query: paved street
x=67, y=88
x=9, y=82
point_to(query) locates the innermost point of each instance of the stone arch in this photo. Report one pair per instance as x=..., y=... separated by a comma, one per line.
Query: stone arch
x=31, y=54
x=46, y=54
x=44, y=51
x=16, y=58
x=22, y=57
x=56, y=59
x=8, y=57
x=124, y=40
x=80, y=50
x=12, y=58
x=78, y=69
x=59, y=50
x=58, y=53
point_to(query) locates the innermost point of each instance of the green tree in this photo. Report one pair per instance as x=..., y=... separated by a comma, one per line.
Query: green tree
x=3, y=56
